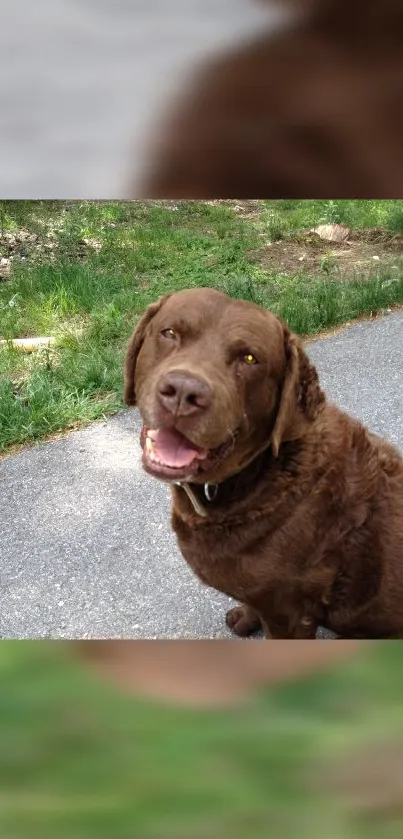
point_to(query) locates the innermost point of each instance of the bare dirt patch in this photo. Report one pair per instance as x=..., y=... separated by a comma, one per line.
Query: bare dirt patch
x=364, y=252
x=24, y=245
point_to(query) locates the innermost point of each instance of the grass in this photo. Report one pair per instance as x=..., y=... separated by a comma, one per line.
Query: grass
x=89, y=270
x=80, y=761
x=281, y=218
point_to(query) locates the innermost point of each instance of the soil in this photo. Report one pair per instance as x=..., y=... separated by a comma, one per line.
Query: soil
x=364, y=251
x=305, y=252
x=24, y=245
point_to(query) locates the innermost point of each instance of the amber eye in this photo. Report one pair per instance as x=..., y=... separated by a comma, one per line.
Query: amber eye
x=248, y=358
x=168, y=333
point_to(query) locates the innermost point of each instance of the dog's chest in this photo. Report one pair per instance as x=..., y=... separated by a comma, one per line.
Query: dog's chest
x=229, y=559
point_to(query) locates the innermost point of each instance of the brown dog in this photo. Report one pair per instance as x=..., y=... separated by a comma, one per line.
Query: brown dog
x=280, y=499
x=314, y=111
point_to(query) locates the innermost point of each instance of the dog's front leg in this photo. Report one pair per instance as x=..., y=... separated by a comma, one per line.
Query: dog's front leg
x=243, y=620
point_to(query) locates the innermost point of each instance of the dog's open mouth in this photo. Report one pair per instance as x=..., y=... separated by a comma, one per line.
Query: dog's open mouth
x=169, y=454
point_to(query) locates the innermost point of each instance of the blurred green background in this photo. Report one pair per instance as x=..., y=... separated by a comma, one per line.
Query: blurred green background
x=79, y=760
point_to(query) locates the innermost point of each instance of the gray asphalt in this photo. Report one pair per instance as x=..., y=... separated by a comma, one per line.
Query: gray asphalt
x=86, y=550
x=83, y=81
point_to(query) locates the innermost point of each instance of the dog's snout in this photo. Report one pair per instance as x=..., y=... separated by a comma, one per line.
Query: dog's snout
x=183, y=395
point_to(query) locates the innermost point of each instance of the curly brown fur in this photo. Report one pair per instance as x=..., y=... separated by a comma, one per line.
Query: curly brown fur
x=307, y=525
x=315, y=110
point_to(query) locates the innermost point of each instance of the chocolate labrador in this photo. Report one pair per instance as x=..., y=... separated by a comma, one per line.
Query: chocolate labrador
x=312, y=111
x=280, y=499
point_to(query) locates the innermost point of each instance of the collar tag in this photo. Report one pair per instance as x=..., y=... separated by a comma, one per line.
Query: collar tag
x=210, y=491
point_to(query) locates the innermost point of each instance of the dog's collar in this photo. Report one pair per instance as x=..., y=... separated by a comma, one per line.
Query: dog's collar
x=210, y=491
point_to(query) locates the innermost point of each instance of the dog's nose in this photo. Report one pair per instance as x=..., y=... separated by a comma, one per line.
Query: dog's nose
x=183, y=395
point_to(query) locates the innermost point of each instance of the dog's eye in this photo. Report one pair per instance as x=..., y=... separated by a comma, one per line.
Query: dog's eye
x=169, y=333
x=248, y=358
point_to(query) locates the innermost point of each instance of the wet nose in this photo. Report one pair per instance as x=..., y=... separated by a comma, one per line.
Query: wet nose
x=183, y=395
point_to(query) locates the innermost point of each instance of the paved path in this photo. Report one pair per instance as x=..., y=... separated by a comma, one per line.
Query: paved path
x=82, y=80
x=86, y=549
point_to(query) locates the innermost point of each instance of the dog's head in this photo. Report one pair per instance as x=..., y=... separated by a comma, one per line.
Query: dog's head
x=216, y=381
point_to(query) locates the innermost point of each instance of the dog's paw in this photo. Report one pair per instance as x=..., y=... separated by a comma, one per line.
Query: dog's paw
x=242, y=620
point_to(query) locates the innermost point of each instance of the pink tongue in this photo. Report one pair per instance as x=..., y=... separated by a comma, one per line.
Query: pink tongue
x=173, y=449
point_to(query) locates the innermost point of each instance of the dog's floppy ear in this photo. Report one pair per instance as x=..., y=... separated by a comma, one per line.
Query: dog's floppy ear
x=134, y=347
x=301, y=395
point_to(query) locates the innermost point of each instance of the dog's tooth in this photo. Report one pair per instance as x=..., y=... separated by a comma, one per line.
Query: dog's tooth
x=152, y=455
x=150, y=445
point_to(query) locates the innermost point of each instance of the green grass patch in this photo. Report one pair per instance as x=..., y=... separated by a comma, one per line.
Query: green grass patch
x=80, y=761
x=93, y=267
x=282, y=218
